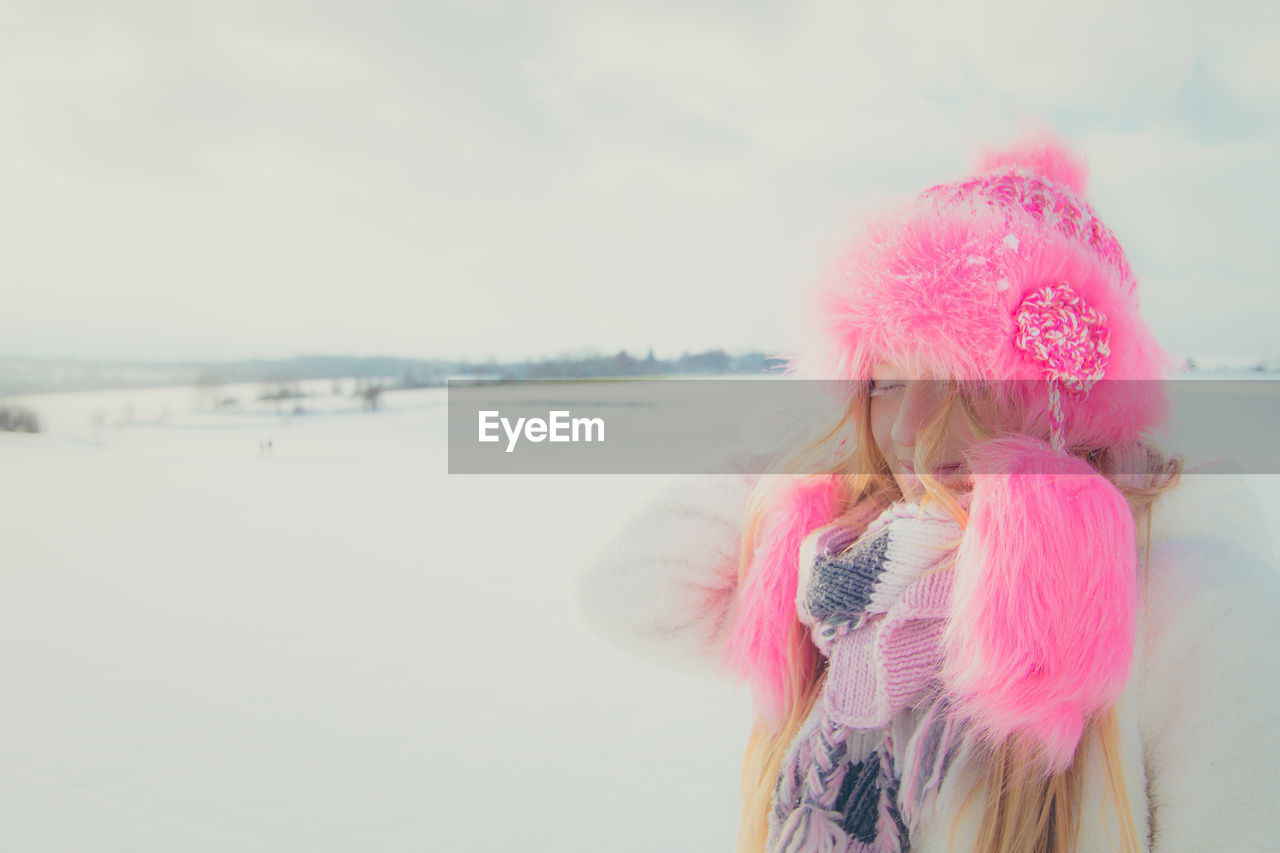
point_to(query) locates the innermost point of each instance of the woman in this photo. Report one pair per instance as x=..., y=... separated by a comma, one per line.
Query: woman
x=986, y=612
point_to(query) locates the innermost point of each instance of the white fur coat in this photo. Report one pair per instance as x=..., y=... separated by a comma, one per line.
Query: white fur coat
x=1200, y=717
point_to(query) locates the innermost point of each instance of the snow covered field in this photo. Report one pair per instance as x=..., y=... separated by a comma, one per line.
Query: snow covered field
x=333, y=645
x=336, y=646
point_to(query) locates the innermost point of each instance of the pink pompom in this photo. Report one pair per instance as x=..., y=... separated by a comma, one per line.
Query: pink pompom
x=1044, y=600
x=1040, y=152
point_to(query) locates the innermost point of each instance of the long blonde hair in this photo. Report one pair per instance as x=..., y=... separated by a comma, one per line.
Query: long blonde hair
x=1025, y=811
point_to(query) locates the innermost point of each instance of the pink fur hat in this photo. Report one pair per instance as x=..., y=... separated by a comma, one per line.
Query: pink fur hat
x=1007, y=275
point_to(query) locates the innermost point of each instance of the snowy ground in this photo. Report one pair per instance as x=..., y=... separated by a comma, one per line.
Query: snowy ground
x=336, y=646
x=331, y=646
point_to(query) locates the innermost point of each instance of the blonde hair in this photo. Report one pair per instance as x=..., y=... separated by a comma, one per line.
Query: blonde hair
x=1026, y=812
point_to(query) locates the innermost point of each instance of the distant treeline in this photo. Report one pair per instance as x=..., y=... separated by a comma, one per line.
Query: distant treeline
x=31, y=375
x=623, y=364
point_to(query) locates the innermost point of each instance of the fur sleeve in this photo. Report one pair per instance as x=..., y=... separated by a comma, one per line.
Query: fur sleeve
x=1211, y=697
x=661, y=585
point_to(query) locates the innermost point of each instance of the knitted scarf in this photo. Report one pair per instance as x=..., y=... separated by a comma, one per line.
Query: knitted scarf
x=873, y=754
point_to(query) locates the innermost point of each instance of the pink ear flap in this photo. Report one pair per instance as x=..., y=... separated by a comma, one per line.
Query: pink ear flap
x=1044, y=599
x=759, y=643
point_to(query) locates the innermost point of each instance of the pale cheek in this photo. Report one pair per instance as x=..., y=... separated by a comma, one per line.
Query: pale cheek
x=878, y=434
x=881, y=426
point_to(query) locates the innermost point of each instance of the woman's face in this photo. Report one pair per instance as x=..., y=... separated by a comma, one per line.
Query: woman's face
x=902, y=405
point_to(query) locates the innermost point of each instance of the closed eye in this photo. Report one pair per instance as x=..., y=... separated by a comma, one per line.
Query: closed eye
x=879, y=389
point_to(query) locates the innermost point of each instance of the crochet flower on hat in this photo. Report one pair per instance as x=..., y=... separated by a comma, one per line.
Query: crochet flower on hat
x=1069, y=339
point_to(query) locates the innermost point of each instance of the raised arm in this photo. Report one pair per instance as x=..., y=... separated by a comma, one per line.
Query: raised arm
x=662, y=584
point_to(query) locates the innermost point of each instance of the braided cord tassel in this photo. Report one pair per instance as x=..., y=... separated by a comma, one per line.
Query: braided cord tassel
x=814, y=825
x=1056, y=429
x=888, y=826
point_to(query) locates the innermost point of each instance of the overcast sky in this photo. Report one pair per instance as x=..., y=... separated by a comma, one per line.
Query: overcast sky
x=466, y=180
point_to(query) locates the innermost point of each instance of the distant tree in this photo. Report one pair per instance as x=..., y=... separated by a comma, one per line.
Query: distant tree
x=756, y=362
x=623, y=364
x=711, y=361
x=208, y=385
x=18, y=419
x=279, y=389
